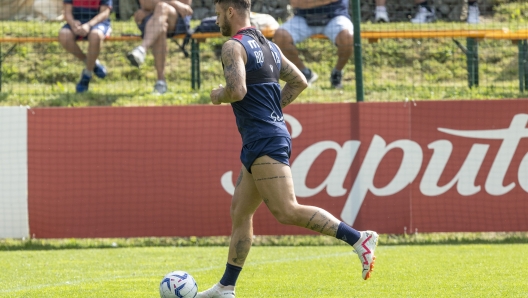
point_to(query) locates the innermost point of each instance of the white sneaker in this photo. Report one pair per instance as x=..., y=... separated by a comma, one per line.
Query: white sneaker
x=424, y=16
x=365, y=248
x=160, y=87
x=381, y=15
x=473, y=14
x=217, y=292
x=137, y=56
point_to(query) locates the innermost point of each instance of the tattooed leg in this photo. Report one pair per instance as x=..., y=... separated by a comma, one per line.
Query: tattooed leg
x=246, y=200
x=275, y=185
x=242, y=247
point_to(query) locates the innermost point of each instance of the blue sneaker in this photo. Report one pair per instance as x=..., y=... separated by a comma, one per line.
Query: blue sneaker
x=82, y=86
x=100, y=70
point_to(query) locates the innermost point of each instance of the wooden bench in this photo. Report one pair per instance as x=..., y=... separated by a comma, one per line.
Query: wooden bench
x=471, y=50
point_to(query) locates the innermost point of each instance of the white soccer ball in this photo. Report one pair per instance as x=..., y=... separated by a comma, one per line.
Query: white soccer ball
x=178, y=284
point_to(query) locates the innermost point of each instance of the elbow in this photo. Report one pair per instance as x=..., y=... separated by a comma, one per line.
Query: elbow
x=304, y=83
x=239, y=95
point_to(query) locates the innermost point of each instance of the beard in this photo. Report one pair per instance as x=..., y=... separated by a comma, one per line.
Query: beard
x=226, y=28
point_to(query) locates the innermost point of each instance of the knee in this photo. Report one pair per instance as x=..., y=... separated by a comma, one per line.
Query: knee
x=65, y=35
x=239, y=217
x=95, y=36
x=163, y=8
x=285, y=215
x=345, y=38
x=282, y=37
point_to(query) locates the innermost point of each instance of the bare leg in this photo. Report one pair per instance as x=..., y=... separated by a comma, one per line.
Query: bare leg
x=162, y=21
x=67, y=40
x=159, y=51
x=285, y=42
x=344, y=43
x=275, y=185
x=95, y=42
x=246, y=200
x=380, y=2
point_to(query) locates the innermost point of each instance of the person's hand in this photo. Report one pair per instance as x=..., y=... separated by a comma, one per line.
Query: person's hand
x=215, y=94
x=84, y=29
x=76, y=27
x=139, y=15
x=184, y=9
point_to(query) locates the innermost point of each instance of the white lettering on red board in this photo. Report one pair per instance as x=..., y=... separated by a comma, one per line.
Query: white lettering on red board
x=410, y=166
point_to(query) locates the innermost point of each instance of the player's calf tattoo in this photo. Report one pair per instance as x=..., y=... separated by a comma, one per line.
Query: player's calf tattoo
x=311, y=218
x=242, y=250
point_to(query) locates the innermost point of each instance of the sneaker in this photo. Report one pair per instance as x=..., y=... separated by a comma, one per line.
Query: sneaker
x=99, y=70
x=217, y=292
x=335, y=79
x=424, y=15
x=160, y=87
x=365, y=248
x=473, y=14
x=310, y=75
x=82, y=86
x=381, y=15
x=137, y=56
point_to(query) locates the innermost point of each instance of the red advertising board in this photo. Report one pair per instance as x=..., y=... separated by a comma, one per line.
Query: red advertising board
x=170, y=171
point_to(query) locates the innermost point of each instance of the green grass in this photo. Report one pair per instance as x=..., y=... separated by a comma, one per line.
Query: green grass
x=481, y=270
x=42, y=75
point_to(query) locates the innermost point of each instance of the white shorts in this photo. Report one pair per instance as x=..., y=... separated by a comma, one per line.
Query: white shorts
x=299, y=29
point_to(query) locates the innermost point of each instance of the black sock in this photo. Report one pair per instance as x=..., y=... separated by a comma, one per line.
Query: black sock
x=230, y=275
x=347, y=234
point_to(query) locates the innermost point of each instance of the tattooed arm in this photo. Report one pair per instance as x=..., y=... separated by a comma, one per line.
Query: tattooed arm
x=295, y=81
x=234, y=59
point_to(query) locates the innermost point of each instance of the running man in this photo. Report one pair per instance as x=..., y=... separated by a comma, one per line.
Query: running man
x=252, y=69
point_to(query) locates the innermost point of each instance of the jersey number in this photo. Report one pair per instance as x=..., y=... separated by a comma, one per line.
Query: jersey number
x=260, y=57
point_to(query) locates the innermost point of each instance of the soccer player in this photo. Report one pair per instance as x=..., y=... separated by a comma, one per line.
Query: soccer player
x=252, y=69
x=89, y=20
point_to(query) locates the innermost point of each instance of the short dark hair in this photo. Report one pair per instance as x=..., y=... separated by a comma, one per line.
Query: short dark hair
x=244, y=5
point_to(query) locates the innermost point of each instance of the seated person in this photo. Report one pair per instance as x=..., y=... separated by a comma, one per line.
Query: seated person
x=89, y=20
x=159, y=20
x=328, y=17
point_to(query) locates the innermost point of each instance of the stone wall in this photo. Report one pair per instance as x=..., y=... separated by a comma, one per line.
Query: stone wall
x=399, y=10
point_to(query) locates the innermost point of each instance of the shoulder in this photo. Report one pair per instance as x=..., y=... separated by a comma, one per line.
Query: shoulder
x=232, y=47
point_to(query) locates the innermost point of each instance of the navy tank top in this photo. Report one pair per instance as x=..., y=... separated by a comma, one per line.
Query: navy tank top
x=259, y=113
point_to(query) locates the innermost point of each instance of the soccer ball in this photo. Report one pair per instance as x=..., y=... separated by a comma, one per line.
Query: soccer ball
x=178, y=284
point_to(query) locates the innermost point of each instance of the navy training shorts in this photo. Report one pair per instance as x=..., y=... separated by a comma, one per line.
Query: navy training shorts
x=278, y=148
x=103, y=27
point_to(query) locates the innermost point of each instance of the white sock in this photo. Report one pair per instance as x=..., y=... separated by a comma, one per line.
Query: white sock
x=87, y=72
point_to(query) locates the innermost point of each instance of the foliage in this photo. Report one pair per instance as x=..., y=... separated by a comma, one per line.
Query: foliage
x=313, y=240
x=43, y=74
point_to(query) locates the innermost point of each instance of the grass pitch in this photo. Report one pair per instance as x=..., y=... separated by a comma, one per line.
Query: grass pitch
x=476, y=270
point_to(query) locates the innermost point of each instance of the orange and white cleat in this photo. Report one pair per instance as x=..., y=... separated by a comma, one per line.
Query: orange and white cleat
x=365, y=248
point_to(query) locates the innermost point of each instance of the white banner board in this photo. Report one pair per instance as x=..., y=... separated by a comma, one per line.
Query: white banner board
x=13, y=173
